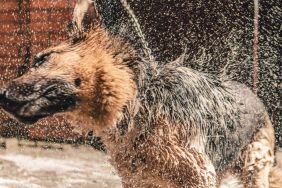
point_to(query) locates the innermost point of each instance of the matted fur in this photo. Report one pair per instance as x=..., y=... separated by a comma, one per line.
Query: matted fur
x=197, y=103
x=163, y=126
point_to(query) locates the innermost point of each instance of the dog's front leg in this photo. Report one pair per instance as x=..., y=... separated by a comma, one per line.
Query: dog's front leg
x=173, y=166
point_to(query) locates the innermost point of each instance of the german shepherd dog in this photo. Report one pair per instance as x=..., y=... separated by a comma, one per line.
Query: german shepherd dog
x=163, y=126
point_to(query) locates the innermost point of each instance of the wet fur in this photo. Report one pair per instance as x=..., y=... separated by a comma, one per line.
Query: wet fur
x=175, y=112
x=163, y=125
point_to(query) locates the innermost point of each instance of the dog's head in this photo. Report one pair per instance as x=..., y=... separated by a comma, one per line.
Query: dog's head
x=73, y=75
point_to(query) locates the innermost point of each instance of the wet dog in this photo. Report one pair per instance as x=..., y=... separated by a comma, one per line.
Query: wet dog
x=163, y=125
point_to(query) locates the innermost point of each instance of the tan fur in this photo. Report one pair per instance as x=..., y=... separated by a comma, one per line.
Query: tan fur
x=256, y=169
x=233, y=180
x=259, y=157
x=163, y=153
x=275, y=176
x=109, y=84
x=103, y=83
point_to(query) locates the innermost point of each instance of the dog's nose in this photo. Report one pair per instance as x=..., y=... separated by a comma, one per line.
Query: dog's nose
x=3, y=94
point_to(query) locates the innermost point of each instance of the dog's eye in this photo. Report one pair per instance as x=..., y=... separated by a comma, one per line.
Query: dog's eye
x=39, y=59
x=77, y=82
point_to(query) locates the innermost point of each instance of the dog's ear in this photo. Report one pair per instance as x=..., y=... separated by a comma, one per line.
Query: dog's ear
x=85, y=17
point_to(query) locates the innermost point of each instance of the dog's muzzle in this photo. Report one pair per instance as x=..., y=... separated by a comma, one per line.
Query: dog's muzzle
x=28, y=104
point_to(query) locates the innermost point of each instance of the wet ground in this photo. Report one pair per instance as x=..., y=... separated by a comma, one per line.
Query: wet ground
x=26, y=164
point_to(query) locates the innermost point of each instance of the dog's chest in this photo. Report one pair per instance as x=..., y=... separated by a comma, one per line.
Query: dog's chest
x=134, y=152
x=127, y=159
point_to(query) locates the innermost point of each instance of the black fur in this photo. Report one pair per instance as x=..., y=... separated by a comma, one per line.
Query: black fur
x=218, y=37
x=224, y=114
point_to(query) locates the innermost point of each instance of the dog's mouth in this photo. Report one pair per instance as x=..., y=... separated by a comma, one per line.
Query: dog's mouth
x=36, y=105
x=29, y=120
x=33, y=111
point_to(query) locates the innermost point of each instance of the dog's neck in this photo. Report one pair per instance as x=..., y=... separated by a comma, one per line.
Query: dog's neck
x=115, y=81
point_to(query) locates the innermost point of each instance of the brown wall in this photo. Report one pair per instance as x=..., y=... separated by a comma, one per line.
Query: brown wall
x=33, y=24
x=26, y=27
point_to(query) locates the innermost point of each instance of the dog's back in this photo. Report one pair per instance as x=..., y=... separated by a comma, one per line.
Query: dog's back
x=226, y=115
